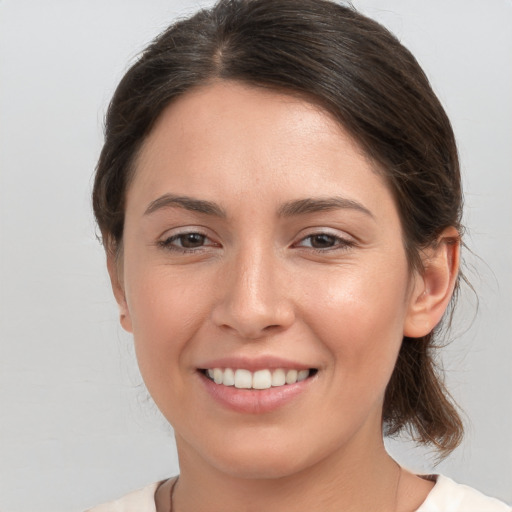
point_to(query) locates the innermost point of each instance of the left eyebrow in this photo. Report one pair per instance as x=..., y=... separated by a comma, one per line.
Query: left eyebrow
x=314, y=205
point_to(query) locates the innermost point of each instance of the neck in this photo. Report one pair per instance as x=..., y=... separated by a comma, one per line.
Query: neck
x=363, y=477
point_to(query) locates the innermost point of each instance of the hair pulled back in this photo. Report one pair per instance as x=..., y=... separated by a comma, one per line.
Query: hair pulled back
x=359, y=73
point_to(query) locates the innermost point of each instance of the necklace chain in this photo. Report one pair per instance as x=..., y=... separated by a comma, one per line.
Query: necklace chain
x=397, y=486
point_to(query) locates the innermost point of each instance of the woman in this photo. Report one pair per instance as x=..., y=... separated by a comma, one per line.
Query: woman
x=279, y=198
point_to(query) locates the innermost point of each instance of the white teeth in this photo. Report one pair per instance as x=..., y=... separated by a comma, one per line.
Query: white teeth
x=278, y=378
x=291, y=376
x=218, y=375
x=261, y=379
x=229, y=377
x=302, y=375
x=243, y=379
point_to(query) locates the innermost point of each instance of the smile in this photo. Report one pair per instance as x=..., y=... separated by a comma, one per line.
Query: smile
x=260, y=379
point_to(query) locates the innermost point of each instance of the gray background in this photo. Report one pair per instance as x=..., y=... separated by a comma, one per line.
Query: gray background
x=76, y=426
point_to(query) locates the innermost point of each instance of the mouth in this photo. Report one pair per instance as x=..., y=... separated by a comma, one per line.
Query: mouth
x=241, y=378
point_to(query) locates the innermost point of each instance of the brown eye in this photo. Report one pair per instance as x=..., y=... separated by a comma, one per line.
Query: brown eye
x=186, y=242
x=323, y=241
x=191, y=240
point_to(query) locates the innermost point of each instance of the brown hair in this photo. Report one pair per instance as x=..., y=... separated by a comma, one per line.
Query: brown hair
x=360, y=73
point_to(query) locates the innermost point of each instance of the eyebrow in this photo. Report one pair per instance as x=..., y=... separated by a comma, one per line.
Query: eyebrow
x=187, y=203
x=289, y=209
x=314, y=205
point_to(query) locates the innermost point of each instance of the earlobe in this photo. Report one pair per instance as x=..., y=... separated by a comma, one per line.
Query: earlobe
x=115, y=272
x=434, y=285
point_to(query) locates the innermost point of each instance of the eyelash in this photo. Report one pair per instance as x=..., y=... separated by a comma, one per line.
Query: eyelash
x=168, y=243
x=339, y=243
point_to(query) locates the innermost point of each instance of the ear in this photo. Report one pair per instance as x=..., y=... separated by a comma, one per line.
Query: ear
x=115, y=271
x=433, y=286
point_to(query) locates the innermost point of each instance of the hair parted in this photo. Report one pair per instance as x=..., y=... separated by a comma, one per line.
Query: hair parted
x=358, y=72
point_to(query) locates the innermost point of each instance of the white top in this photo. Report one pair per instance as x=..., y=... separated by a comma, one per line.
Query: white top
x=446, y=496
x=449, y=496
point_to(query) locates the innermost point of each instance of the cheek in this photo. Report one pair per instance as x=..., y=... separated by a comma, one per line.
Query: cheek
x=166, y=310
x=359, y=315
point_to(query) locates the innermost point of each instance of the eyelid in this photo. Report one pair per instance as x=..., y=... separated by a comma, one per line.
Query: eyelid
x=185, y=230
x=342, y=240
x=165, y=240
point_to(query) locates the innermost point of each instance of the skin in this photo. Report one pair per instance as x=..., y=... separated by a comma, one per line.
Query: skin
x=330, y=288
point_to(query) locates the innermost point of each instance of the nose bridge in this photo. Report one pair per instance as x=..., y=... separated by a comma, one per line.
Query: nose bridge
x=253, y=302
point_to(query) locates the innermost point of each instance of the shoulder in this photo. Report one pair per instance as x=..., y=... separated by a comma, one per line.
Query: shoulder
x=449, y=496
x=142, y=500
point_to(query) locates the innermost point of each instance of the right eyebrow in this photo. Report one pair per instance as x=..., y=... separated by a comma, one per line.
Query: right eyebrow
x=187, y=203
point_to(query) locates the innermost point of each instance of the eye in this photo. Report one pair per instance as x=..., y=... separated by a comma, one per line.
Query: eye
x=186, y=242
x=189, y=240
x=321, y=241
x=324, y=241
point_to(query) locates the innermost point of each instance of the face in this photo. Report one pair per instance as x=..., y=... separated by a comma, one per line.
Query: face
x=262, y=248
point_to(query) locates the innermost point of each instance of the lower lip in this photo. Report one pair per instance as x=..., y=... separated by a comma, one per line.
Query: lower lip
x=252, y=401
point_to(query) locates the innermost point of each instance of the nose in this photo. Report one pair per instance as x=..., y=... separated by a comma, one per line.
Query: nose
x=253, y=301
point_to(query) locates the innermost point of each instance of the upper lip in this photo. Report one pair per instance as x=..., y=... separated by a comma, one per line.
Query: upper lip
x=255, y=363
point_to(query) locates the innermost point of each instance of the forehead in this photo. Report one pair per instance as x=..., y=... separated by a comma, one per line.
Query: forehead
x=232, y=139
